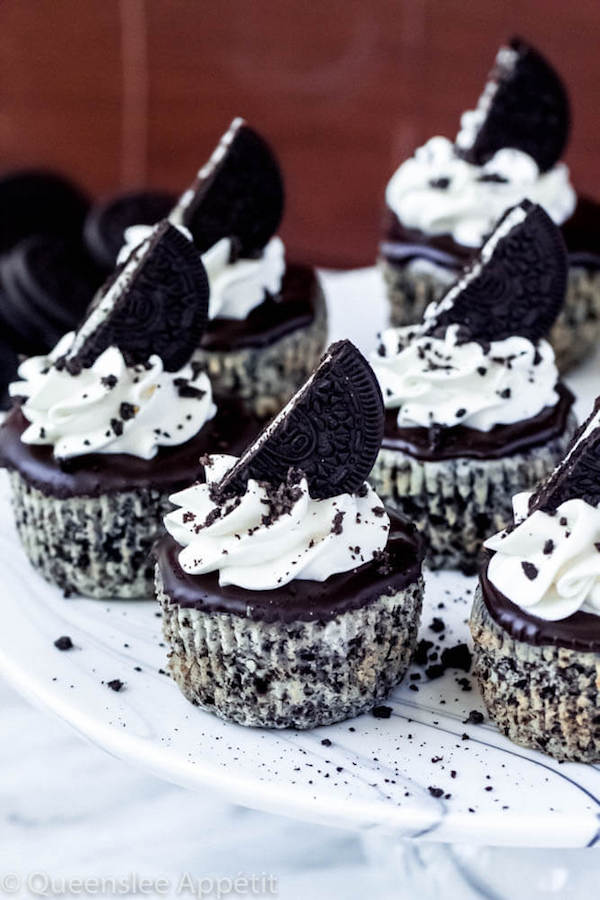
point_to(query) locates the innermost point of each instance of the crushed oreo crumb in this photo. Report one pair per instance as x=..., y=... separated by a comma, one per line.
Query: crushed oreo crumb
x=127, y=411
x=63, y=643
x=381, y=712
x=530, y=570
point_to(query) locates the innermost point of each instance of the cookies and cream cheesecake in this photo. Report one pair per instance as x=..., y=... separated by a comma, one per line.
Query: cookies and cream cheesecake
x=536, y=616
x=113, y=420
x=267, y=322
x=290, y=597
x=443, y=202
x=475, y=410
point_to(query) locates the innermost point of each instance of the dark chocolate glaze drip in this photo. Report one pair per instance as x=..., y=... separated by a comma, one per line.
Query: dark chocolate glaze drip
x=580, y=631
x=293, y=308
x=298, y=601
x=173, y=468
x=580, y=234
x=461, y=441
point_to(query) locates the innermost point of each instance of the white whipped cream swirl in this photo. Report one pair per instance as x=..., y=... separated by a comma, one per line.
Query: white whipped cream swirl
x=549, y=565
x=437, y=192
x=236, y=288
x=440, y=381
x=111, y=407
x=254, y=550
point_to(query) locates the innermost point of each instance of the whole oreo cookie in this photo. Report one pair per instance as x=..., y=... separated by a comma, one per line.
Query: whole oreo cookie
x=578, y=475
x=156, y=304
x=8, y=371
x=331, y=430
x=106, y=222
x=237, y=193
x=516, y=285
x=47, y=284
x=37, y=202
x=524, y=105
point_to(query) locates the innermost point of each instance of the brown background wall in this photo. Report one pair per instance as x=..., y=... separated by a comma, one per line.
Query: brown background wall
x=122, y=93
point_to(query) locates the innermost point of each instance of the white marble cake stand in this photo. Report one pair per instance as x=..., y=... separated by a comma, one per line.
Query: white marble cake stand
x=371, y=773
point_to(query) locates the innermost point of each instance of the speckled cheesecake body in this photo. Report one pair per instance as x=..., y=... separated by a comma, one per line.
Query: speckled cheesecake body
x=263, y=375
x=298, y=674
x=96, y=546
x=89, y=525
x=542, y=696
x=457, y=503
x=574, y=335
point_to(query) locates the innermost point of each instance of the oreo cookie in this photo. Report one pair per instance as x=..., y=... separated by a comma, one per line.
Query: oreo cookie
x=38, y=202
x=156, y=304
x=9, y=363
x=515, y=286
x=578, y=475
x=524, y=105
x=238, y=193
x=331, y=431
x=106, y=223
x=46, y=284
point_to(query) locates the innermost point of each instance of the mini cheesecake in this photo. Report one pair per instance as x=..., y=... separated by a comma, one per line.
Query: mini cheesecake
x=289, y=597
x=475, y=409
x=536, y=615
x=267, y=317
x=114, y=420
x=442, y=203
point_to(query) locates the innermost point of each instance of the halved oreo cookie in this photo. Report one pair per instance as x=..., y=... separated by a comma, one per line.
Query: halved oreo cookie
x=524, y=105
x=578, y=475
x=157, y=304
x=237, y=193
x=515, y=286
x=105, y=224
x=331, y=430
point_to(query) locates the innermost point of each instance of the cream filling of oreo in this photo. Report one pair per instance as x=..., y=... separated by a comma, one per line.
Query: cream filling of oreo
x=269, y=537
x=549, y=564
x=472, y=119
x=111, y=407
x=441, y=381
x=236, y=288
x=437, y=192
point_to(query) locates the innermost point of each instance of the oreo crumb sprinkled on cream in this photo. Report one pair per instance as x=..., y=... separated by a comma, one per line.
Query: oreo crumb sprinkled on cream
x=127, y=411
x=530, y=570
x=336, y=525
